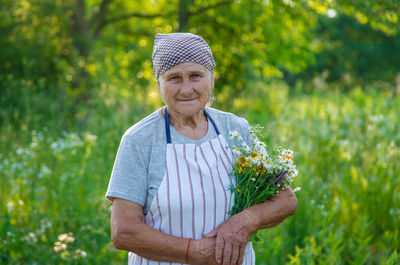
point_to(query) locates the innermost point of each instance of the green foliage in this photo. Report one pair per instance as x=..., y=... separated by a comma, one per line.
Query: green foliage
x=67, y=51
x=34, y=52
x=353, y=54
x=346, y=149
x=380, y=15
x=50, y=193
x=85, y=67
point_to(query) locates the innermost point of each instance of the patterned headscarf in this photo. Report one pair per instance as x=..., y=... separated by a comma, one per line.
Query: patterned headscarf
x=175, y=48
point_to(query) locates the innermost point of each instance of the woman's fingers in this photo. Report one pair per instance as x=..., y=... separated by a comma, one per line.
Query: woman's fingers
x=241, y=254
x=219, y=248
x=235, y=254
x=226, y=257
x=231, y=240
x=212, y=261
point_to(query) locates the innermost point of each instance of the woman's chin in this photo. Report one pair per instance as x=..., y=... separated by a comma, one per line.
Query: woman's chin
x=189, y=109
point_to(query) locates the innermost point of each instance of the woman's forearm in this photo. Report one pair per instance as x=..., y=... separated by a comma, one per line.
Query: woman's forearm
x=151, y=244
x=155, y=245
x=272, y=212
x=129, y=232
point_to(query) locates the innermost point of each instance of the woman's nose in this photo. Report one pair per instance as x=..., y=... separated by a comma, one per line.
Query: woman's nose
x=186, y=88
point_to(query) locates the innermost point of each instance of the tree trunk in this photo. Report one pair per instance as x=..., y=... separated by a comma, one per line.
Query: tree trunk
x=184, y=14
x=83, y=43
x=396, y=87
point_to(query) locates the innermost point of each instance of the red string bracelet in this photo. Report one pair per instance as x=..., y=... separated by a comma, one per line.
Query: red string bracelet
x=187, y=251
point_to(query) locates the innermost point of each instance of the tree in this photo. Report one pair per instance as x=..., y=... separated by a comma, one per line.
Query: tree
x=70, y=49
x=353, y=50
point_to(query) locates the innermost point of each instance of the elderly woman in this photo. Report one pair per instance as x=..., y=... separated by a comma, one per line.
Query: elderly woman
x=170, y=185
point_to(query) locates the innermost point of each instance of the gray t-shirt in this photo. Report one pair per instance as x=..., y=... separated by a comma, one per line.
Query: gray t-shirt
x=140, y=163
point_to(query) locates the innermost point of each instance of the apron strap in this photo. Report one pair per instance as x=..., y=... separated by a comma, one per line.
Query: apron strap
x=167, y=126
x=167, y=129
x=212, y=122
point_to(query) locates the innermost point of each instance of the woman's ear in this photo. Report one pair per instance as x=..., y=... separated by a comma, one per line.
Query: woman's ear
x=212, y=80
x=158, y=86
x=160, y=89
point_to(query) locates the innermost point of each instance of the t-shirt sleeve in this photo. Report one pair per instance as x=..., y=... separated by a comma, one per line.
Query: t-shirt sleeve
x=245, y=133
x=241, y=126
x=129, y=175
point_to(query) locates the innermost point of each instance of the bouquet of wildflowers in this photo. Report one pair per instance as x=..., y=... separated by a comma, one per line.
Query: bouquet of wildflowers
x=259, y=173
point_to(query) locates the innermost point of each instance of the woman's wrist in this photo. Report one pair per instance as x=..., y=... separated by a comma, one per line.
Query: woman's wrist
x=187, y=251
x=252, y=223
x=200, y=251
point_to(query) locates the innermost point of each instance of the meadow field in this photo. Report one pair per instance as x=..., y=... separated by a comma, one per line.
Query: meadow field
x=347, y=149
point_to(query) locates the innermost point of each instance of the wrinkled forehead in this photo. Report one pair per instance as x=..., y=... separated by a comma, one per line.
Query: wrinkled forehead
x=185, y=68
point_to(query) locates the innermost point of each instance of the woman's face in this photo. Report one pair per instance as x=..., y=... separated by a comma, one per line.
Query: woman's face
x=186, y=88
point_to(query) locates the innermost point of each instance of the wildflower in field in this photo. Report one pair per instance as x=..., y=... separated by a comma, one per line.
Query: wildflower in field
x=58, y=246
x=90, y=137
x=80, y=254
x=70, y=142
x=30, y=238
x=263, y=172
x=44, y=171
x=296, y=189
x=66, y=237
x=10, y=206
x=44, y=224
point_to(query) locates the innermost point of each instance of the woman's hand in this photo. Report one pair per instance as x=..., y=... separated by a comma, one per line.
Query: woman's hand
x=233, y=234
x=231, y=239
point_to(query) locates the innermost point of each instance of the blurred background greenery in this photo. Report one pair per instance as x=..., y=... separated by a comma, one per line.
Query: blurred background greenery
x=322, y=77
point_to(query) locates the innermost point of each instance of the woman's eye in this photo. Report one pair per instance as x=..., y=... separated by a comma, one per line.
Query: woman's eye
x=174, y=77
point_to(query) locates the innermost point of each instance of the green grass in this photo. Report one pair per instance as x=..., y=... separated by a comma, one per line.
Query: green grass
x=347, y=149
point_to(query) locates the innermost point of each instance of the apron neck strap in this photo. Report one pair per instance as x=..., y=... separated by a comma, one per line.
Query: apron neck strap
x=167, y=126
x=212, y=122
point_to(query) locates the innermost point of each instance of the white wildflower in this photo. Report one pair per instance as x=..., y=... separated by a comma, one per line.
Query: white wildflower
x=19, y=151
x=10, y=206
x=235, y=135
x=44, y=171
x=246, y=148
x=296, y=189
x=80, y=253
x=266, y=166
x=236, y=152
x=44, y=224
x=62, y=237
x=90, y=137
x=54, y=146
x=30, y=238
x=58, y=246
x=66, y=237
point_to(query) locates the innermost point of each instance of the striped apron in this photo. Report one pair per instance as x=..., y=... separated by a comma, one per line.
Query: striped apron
x=194, y=196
